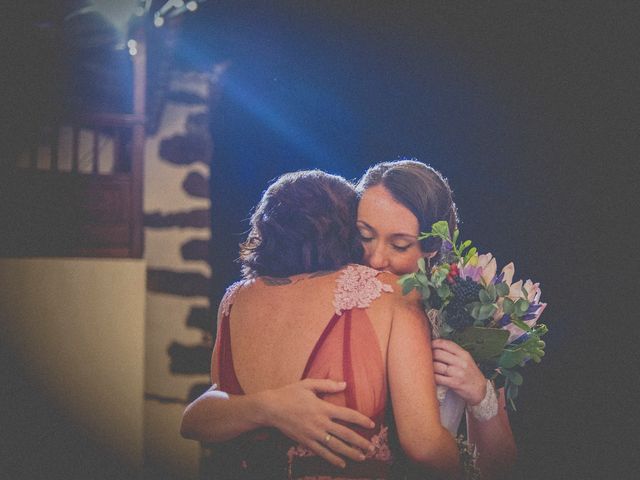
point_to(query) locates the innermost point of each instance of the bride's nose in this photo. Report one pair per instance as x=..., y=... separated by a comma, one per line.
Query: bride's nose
x=378, y=257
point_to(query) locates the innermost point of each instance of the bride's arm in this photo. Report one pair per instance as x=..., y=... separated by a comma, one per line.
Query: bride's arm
x=492, y=437
x=494, y=441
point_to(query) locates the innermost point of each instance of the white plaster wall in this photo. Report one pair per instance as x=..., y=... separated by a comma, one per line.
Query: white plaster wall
x=166, y=314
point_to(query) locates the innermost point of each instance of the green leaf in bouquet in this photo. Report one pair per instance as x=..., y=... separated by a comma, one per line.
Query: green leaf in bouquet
x=408, y=282
x=502, y=289
x=511, y=392
x=484, y=296
x=456, y=233
x=508, y=306
x=425, y=292
x=482, y=343
x=522, y=306
x=439, y=276
x=518, y=322
x=491, y=290
x=422, y=278
x=486, y=311
x=421, y=264
x=513, y=376
x=532, y=348
x=511, y=358
x=467, y=256
x=441, y=229
x=465, y=244
x=407, y=287
x=474, y=309
x=488, y=294
x=443, y=291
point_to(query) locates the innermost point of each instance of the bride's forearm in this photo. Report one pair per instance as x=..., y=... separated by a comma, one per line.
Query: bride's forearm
x=494, y=441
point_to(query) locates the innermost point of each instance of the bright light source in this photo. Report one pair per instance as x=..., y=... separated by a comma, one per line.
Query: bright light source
x=139, y=11
x=132, y=43
x=133, y=51
x=158, y=21
x=192, y=6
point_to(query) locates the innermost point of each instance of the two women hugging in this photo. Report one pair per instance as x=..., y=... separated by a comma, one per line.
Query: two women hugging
x=321, y=367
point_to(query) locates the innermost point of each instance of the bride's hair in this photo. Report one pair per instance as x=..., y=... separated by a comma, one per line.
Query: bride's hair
x=421, y=189
x=305, y=222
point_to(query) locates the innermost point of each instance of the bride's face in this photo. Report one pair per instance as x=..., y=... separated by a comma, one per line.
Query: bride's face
x=388, y=231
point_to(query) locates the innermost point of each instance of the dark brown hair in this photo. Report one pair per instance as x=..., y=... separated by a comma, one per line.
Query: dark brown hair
x=305, y=222
x=420, y=188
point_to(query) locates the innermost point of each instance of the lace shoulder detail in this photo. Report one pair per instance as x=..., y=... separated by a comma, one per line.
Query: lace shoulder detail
x=229, y=297
x=357, y=287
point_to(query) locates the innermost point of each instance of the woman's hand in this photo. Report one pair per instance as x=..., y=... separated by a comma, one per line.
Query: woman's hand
x=455, y=368
x=297, y=412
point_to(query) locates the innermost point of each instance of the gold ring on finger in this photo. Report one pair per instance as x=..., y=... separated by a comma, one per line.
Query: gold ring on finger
x=327, y=438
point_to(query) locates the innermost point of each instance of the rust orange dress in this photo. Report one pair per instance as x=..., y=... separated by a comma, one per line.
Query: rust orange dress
x=347, y=350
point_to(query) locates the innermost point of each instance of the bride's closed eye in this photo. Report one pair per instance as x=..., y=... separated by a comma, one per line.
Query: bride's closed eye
x=365, y=238
x=401, y=248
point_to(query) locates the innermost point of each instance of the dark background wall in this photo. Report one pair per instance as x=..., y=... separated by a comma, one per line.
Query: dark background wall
x=529, y=112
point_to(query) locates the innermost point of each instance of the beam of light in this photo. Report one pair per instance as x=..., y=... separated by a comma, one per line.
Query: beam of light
x=243, y=90
x=276, y=121
x=158, y=21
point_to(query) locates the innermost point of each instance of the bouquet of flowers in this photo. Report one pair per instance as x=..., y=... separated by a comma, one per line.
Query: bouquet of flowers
x=487, y=314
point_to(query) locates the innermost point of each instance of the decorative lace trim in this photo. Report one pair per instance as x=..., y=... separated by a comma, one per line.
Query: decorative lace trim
x=488, y=407
x=357, y=288
x=381, y=446
x=380, y=452
x=229, y=297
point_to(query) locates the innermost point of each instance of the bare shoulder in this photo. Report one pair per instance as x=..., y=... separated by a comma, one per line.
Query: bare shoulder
x=410, y=299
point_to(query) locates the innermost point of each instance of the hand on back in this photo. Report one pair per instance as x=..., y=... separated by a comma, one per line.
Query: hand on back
x=296, y=411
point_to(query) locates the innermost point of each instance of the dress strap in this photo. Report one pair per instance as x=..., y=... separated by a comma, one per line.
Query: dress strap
x=227, y=374
x=229, y=297
x=357, y=287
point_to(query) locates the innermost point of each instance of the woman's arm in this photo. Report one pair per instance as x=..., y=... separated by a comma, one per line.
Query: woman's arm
x=411, y=381
x=493, y=438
